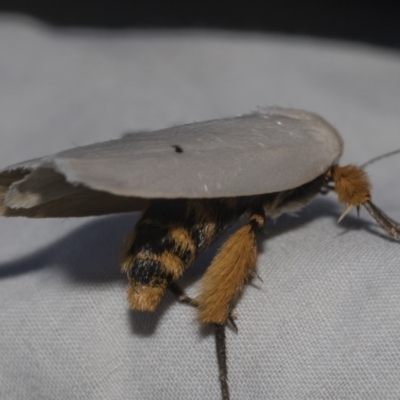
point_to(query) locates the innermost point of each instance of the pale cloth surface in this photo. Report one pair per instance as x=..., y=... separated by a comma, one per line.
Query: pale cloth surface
x=324, y=324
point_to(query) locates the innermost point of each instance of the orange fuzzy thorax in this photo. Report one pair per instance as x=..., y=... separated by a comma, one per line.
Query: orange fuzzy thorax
x=352, y=185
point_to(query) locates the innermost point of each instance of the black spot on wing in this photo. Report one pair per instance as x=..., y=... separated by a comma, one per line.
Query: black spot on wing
x=178, y=149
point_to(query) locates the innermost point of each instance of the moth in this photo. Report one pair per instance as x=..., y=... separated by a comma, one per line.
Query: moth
x=191, y=183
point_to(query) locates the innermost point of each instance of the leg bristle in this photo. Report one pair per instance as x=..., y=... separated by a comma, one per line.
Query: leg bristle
x=345, y=212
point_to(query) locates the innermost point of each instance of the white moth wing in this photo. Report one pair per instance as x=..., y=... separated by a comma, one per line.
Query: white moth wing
x=269, y=151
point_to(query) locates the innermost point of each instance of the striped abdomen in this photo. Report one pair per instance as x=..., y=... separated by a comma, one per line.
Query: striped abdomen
x=168, y=238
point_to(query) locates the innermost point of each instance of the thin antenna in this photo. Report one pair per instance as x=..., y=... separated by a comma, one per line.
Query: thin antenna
x=391, y=227
x=391, y=153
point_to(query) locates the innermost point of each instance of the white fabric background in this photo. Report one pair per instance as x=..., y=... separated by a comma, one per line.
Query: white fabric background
x=325, y=324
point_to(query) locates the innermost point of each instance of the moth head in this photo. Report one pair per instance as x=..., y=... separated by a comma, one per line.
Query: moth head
x=353, y=188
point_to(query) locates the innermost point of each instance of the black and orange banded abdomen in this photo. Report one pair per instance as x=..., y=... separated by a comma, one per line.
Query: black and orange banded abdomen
x=168, y=238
